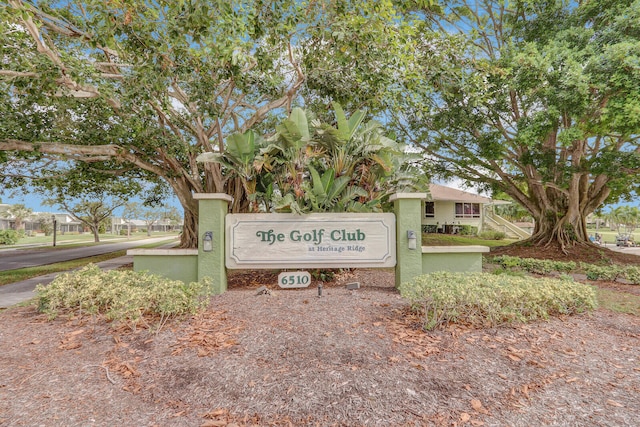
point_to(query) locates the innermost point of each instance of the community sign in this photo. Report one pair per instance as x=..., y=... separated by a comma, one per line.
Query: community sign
x=310, y=241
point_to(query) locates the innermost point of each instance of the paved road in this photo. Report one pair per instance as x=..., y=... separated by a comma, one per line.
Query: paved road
x=632, y=251
x=34, y=257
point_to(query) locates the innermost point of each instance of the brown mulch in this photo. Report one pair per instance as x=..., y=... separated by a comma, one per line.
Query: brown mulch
x=289, y=357
x=579, y=252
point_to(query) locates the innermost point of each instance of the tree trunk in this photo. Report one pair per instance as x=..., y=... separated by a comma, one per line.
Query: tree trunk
x=563, y=231
x=96, y=236
x=189, y=235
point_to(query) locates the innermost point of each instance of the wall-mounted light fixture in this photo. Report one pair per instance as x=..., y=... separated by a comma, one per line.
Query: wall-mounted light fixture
x=412, y=237
x=207, y=241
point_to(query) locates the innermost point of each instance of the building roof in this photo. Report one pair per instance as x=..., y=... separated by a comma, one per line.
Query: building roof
x=442, y=193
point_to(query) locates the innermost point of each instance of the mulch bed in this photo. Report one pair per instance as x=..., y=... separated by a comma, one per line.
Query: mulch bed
x=289, y=357
x=580, y=252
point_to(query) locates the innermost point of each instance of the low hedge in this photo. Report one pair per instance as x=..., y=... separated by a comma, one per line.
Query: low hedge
x=487, y=300
x=121, y=296
x=593, y=272
x=534, y=265
x=492, y=235
x=9, y=237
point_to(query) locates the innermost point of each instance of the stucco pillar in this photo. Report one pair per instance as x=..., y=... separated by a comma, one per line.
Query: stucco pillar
x=211, y=219
x=408, y=210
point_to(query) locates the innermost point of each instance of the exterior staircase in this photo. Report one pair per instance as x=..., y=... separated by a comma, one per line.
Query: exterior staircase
x=497, y=223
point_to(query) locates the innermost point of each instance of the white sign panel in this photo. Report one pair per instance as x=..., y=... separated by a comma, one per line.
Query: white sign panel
x=310, y=241
x=294, y=279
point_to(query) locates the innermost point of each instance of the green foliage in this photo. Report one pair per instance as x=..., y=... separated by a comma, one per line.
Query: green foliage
x=598, y=272
x=440, y=239
x=45, y=222
x=312, y=166
x=141, y=88
x=486, y=300
x=624, y=218
x=121, y=296
x=492, y=235
x=463, y=230
x=469, y=230
x=18, y=213
x=8, y=237
x=534, y=265
x=324, y=274
x=592, y=271
x=632, y=274
x=537, y=95
x=612, y=272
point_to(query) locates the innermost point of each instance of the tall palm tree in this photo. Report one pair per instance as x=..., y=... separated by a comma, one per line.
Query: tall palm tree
x=19, y=213
x=628, y=217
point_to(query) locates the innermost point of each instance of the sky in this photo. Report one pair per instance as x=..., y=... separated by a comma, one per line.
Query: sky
x=28, y=200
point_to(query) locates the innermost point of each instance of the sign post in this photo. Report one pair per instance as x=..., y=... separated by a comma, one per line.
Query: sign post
x=212, y=210
x=408, y=209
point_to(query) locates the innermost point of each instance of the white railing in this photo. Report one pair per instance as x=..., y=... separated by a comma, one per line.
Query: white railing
x=501, y=224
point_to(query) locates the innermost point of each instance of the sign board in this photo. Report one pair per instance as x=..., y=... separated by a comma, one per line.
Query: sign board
x=294, y=279
x=310, y=241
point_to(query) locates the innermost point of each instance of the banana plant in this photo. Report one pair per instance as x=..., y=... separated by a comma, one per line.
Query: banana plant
x=310, y=166
x=326, y=189
x=242, y=162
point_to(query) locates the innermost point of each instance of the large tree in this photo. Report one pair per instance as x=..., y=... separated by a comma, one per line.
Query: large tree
x=92, y=213
x=151, y=85
x=540, y=100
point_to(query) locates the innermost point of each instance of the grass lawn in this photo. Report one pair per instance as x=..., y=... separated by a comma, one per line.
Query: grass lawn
x=620, y=302
x=432, y=239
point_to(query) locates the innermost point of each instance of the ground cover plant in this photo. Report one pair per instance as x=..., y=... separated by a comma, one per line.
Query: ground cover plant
x=486, y=300
x=630, y=273
x=121, y=296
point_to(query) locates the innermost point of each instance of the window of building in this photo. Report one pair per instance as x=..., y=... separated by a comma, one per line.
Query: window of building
x=467, y=210
x=429, y=210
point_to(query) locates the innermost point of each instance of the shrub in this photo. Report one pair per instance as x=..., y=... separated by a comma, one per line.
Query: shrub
x=632, y=274
x=533, y=265
x=427, y=228
x=324, y=274
x=8, y=237
x=121, y=296
x=593, y=272
x=612, y=272
x=468, y=230
x=597, y=272
x=492, y=235
x=486, y=300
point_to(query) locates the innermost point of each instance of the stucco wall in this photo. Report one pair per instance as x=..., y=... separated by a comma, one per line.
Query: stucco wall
x=457, y=259
x=175, y=264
